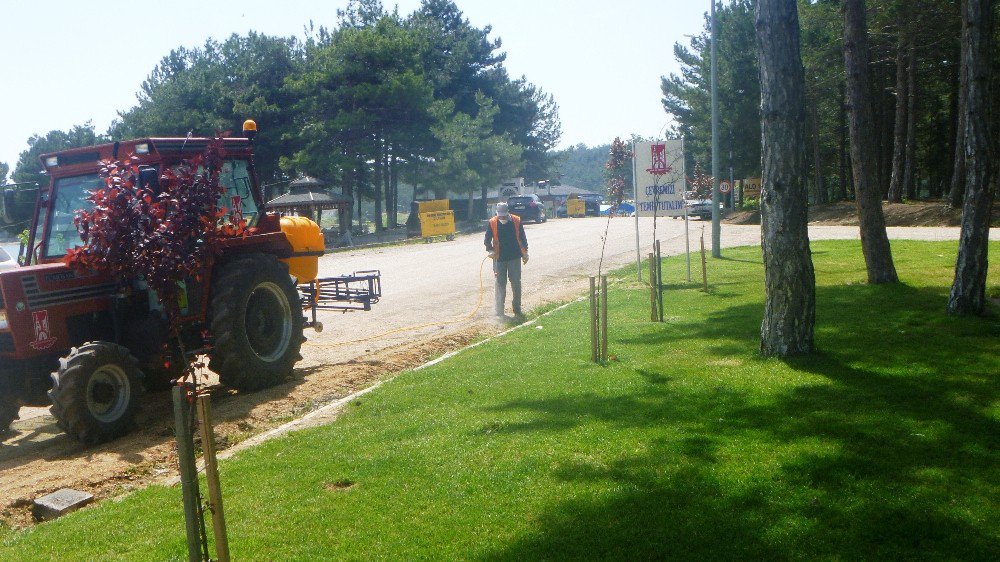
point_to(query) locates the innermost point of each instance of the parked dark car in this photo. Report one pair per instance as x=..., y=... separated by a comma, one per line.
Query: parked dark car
x=593, y=202
x=528, y=207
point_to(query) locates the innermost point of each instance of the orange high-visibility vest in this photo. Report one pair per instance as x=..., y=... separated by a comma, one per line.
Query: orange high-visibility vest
x=495, y=226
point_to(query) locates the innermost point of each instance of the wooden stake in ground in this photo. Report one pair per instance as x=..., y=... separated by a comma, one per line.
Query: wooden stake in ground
x=704, y=268
x=593, y=319
x=604, y=318
x=193, y=523
x=212, y=478
x=653, y=308
x=659, y=282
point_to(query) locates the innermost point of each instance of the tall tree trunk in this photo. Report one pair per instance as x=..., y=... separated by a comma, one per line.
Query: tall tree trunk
x=361, y=218
x=360, y=170
x=817, y=159
x=394, y=188
x=844, y=155
x=968, y=292
x=957, y=188
x=899, y=127
x=944, y=189
x=874, y=240
x=387, y=183
x=379, y=172
x=910, y=164
x=484, y=191
x=347, y=214
x=789, y=279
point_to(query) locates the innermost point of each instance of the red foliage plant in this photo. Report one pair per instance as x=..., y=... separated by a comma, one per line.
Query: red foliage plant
x=701, y=183
x=618, y=158
x=164, y=235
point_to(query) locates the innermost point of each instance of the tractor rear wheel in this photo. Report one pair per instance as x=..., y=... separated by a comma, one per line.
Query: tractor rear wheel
x=256, y=322
x=9, y=406
x=95, y=393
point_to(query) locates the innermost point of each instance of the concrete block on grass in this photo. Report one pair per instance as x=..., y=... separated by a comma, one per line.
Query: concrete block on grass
x=59, y=503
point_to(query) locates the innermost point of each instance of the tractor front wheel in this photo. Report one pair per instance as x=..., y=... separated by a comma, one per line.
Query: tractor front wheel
x=256, y=322
x=95, y=393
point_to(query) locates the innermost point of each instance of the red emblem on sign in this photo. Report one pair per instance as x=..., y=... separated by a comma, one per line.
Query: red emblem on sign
x=43, y=335
x=237, y=209
x=658, y=159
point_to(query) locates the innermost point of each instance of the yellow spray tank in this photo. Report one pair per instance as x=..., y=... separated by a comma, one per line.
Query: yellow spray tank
x=307, y=245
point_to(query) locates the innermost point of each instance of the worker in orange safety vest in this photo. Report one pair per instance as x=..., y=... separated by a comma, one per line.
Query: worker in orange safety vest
x=508, y=246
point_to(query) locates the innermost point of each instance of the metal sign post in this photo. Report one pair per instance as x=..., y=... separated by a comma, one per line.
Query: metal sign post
x=635, y=190
x=716, y=198
x=687, y=242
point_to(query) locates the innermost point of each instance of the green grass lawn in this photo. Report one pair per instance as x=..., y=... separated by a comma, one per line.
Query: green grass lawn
x=884, y=444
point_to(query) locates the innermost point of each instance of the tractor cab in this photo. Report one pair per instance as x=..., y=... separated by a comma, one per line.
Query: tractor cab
x=75, y=173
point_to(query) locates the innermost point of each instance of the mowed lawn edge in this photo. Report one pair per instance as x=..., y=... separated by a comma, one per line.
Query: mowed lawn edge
x=884, y=444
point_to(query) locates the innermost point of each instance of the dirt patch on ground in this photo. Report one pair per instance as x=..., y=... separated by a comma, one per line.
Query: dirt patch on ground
x=149, y=455
x=844, y=213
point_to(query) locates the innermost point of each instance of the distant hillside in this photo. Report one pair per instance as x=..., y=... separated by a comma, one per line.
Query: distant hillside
x=583, y=166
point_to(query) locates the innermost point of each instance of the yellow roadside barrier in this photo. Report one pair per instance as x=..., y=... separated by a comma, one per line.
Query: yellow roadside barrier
x=437, y=223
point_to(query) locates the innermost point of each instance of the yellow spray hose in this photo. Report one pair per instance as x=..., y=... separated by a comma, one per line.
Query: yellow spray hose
x=479, y=304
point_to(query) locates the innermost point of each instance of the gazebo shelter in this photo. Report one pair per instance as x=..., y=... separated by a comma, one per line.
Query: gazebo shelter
x=306, y=198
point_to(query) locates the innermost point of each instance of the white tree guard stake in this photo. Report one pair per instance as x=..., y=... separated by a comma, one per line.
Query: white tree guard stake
x=593, y=320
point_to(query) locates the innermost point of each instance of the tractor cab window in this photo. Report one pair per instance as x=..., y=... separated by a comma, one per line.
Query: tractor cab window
x=69, y=196
x=238, y=198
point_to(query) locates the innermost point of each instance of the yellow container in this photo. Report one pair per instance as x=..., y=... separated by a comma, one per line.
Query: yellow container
x=576, y=208
x=307, y=245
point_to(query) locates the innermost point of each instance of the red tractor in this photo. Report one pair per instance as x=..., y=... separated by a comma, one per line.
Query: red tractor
x=76, y=341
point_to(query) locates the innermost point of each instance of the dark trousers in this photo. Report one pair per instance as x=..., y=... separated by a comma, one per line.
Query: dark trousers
x=503, y=270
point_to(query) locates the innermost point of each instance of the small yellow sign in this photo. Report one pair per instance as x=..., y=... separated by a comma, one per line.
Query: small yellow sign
x=432, y=206
x=437, y=223
x=576, y=208
x=751, y=188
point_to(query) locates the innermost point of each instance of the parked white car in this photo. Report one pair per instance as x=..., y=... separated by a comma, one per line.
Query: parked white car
x=6, y=261
x=697, y=206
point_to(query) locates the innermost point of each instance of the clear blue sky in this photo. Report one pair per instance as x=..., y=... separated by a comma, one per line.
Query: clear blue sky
x=66, y=62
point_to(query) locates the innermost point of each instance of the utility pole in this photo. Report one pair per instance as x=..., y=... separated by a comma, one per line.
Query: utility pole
x=716, y=196
x=732, y=180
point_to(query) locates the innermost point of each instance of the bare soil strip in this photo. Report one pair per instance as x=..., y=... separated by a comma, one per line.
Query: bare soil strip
x=149, y=455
